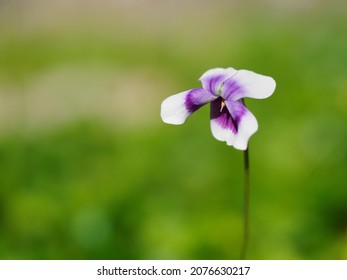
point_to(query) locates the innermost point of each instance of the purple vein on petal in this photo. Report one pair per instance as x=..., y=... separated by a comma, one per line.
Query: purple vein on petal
x=215, y=82
x=237, y=110
x=196, y=98
x=212, y=79
x=232, y=89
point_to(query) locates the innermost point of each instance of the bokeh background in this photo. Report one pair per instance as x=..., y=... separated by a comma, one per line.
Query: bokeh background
x=89, y=171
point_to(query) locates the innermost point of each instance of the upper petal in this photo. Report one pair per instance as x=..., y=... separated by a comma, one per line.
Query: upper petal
x=213, y=79
x=248, y=84
x=177, y=108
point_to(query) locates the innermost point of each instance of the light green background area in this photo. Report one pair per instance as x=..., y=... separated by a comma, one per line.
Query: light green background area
x=89, y=171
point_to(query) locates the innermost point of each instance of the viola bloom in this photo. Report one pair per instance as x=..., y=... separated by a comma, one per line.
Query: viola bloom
x=224, y=89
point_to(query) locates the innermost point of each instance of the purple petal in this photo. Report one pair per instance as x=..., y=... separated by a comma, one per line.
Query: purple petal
x=213, y=79
x=247, y=84
x=177, y=108
x=196, y=98
x=221, y=116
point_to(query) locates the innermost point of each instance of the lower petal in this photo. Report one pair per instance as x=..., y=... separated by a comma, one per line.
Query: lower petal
x=177, y=108
x=245, y=121
x=232, y=123
x=223, y=126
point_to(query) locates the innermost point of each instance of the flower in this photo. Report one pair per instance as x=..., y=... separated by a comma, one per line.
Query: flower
x=224, y=89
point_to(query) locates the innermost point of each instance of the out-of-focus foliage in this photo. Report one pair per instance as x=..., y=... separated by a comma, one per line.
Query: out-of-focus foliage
x=89, y=171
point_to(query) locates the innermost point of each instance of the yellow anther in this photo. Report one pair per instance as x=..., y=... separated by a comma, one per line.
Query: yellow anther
x=222, y=106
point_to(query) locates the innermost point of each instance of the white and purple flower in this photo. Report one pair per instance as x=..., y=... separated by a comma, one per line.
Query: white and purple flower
x=224, y=89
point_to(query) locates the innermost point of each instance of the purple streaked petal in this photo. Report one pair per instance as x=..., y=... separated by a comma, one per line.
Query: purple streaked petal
x=248, y=84
x=237, y=110
x=213, y=79
x=177, y=108
x=196, y=98
x=245, y=123
x=232, y=123
x=222, y=116
x=223, y=126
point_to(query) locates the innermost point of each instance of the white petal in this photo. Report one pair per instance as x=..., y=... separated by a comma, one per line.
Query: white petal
x=247, y=127
x=173, y=110
x=220, y=133
x=177, y=108
x=248, y=84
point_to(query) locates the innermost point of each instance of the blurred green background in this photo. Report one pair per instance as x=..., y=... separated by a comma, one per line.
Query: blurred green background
x=89, y=171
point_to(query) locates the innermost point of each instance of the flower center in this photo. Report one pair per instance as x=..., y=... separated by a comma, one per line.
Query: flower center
x=222, y=105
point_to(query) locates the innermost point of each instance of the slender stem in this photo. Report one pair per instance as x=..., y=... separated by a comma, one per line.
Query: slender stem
x=245, y=207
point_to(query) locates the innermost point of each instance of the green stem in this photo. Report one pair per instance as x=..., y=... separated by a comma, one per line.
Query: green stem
x=245, y=207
